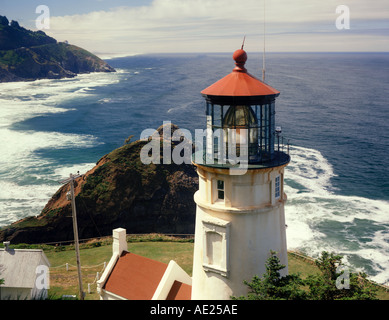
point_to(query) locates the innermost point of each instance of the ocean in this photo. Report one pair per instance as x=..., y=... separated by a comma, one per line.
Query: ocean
x=333, y=107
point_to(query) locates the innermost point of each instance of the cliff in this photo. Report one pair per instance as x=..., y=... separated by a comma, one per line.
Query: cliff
x=120, y=191
x=27, y=55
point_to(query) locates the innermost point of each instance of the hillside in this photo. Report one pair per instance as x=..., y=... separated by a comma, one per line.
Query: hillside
x=120, y=191
x=28, y=55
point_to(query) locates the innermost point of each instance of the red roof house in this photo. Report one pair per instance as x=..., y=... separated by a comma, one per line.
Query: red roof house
x=129, y=276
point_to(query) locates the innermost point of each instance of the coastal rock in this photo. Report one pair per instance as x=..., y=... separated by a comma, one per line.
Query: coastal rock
x=27, y=55
x=120, y=191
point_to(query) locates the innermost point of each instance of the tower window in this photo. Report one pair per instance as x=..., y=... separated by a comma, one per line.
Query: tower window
x=220, y=189
x=277, y=190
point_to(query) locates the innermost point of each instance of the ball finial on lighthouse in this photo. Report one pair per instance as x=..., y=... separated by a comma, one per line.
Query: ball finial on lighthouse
x=240, y=57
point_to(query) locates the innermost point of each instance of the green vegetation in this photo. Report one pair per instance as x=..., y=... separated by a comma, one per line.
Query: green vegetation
x=13, y=36
x=303, y=271
x=93, y=254
x=332, y=283
x=11, y=58
x=31, y=55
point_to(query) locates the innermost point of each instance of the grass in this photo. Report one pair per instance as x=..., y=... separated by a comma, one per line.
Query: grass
x=162, y=248
x=94, y=254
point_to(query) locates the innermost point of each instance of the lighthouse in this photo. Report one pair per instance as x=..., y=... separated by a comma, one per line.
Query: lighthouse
x=240, y=202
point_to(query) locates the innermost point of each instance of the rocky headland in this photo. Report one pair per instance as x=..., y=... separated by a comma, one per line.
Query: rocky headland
x=120, y=191
x=27, y=55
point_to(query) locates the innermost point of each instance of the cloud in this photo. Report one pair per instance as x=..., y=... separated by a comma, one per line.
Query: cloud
x=211, y=25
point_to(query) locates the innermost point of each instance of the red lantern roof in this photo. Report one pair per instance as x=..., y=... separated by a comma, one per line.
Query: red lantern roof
x=240, y=83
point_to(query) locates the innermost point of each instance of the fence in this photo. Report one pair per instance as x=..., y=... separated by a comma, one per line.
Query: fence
x=97, y=277
x=69, y=242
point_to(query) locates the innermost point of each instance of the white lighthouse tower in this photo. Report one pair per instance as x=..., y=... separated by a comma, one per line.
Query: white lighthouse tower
x=240, y=201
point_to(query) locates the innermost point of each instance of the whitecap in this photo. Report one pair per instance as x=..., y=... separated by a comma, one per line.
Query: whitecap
x=320, y=218
x=65, y=171
x=27, y=180
x=21, y=201
x=180, y=107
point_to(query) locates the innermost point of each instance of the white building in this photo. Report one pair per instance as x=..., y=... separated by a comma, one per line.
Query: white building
x=25, y=273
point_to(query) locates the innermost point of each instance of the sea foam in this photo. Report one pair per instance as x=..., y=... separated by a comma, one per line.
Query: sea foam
x=27, y=180
x=318, y=216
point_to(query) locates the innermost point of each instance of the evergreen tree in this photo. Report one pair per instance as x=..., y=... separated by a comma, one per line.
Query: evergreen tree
x=274, y=287
x=333, y=283
x=4, y=21
x=336, y=283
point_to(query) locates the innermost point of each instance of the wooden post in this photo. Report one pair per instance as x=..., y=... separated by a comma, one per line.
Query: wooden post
x=72, y=199
x=75, y=230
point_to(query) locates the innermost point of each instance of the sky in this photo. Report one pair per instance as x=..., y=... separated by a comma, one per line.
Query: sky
x=125, y=27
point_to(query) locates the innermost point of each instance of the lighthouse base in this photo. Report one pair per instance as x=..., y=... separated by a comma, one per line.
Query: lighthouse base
x=232, y=246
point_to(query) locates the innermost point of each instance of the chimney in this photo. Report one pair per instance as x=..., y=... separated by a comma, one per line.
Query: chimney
x=119, y=241
x=6, y=245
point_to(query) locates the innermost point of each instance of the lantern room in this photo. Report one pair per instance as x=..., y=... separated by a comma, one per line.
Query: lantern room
x=240, y=111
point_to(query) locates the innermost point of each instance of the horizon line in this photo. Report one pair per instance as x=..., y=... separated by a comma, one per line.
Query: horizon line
x=110, y=56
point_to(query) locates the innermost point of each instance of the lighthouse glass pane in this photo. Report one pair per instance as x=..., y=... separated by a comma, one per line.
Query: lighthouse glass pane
x=265, y=128
x=208, y=111
x=266, y=118
x=243, y=120
x=272, y=128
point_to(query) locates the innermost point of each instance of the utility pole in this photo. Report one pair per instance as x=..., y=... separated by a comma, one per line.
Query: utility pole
x=75, y=228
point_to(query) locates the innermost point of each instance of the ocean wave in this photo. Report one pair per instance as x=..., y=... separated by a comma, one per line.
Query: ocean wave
x=65, y=171
x=320, y=218
x=24, y=100
x=19, y=146
x=181, y=107
x=28, y=180
x=114, y=100
x=21, y=201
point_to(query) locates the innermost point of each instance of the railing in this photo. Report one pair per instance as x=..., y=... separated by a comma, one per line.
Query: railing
x=253, y=155
x=283, y=144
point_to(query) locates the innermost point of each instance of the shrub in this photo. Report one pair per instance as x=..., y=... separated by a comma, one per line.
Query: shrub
x=324, y=286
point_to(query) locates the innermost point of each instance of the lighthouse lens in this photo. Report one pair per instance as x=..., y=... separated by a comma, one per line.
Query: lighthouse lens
x=242, y=120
